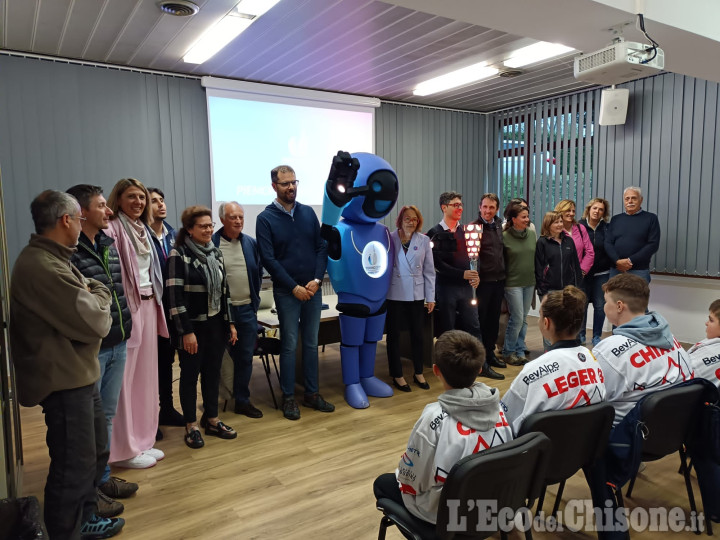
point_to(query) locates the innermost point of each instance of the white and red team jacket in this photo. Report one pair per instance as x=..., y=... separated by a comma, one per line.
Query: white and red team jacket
x=565, y=377
x=437, y=442
x=705, y=357
x=633, y=370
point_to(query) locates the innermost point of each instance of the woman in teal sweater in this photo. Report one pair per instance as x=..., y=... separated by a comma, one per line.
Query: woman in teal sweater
x=519, y=249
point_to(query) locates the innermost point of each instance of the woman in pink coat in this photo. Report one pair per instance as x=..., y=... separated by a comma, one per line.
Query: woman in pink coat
x=136, y=422
x=578, y=234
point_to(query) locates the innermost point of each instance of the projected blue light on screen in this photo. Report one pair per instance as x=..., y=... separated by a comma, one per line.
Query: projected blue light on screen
x=249, y=138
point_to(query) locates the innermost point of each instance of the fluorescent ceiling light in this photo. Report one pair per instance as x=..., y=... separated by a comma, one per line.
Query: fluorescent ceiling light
x=216, y=37
x=535, y=53
x=255, y=7
x=461, y=77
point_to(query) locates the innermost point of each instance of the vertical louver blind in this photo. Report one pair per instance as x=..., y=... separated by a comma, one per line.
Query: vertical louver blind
x=545, y=151
x=554, y=149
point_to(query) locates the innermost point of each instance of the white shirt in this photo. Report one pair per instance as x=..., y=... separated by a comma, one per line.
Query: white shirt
x=705, y=358
x=633, y=370
x=562, y=378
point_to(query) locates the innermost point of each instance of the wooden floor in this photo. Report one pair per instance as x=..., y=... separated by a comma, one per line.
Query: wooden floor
x=310, y=479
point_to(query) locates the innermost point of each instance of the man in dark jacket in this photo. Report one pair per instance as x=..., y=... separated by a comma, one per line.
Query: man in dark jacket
x=288, y=235
x=491, y=269
x=164, y=239
x=244, y=275
x=97, y=258
x=455, y=281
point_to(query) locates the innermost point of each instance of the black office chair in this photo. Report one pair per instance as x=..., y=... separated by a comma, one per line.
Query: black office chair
x=511, y=474
x=266, y=348
x=668, y=417
x=579, y=437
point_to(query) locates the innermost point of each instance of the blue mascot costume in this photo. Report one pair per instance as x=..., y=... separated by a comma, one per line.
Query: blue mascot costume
x=362, y=188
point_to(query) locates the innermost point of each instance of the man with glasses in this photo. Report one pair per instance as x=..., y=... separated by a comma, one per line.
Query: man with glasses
x=244, y=275
x=292, y=251
x=58, y=319
x=455, y=281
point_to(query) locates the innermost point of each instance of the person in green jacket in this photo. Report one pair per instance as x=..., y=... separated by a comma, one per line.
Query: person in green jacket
x=519, y=251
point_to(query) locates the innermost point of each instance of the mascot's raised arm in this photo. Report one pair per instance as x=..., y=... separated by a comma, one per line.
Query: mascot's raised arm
x=361, y=190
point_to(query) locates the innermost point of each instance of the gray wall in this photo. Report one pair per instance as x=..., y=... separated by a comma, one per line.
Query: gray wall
x=432, y=151
x=64, y=124
x=669, y=147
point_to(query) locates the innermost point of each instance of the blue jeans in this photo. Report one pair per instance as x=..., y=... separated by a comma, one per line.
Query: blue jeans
x=242, y=352
x=296, y=317
x=595, y=295
x=518, y=300
x=645, y=274
x=112, y=369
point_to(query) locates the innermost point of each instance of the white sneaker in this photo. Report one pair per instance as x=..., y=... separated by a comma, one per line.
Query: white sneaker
x=154, y=452
x=141, y=461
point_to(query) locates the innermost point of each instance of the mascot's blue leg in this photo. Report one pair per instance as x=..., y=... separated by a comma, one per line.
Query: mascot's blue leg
x=352, y=330
x=371, y=384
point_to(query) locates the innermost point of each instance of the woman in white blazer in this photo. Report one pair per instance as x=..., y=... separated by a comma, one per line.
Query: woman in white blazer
x=412, y=290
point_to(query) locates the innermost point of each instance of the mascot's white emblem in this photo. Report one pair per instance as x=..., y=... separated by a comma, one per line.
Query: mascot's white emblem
x=374, y=259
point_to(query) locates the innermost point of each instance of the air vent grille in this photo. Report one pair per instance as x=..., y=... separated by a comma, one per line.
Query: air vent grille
x=179, y=8
x=508, y=73
x=597, y=59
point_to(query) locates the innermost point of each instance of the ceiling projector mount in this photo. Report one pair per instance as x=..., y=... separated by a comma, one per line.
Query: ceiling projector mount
x=621, y=61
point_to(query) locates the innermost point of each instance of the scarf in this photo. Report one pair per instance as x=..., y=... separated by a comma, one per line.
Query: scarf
x=138, y=234
x=212, y=272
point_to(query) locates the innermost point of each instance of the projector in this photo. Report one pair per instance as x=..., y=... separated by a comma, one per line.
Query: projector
x=619, y=63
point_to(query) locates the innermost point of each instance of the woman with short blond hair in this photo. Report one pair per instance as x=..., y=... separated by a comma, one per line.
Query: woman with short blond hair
x=595, y=220
x=578, y=234
x=411, y=293
x=556, y=260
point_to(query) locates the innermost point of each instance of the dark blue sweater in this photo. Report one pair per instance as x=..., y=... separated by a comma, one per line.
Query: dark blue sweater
x=636, y=236
x=291, y=248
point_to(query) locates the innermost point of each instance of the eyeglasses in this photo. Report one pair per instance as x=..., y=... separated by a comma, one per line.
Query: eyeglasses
x=78, y=217
x=205, y=226
x=455, y=205
x=410, y=220
x=287, y=184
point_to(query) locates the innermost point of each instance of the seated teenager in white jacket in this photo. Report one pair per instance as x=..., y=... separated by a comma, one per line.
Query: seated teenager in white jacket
x=466, y=419
x=705, y=355
x=565, y=377
x=642, y=356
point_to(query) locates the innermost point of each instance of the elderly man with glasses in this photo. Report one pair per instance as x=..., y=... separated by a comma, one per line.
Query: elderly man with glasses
x=455, y=281
x=292, y=251
x=58, y=319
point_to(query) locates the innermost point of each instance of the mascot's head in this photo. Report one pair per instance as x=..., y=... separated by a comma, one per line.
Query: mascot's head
x=382, y=193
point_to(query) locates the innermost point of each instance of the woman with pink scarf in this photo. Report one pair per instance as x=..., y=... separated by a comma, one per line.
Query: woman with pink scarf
x=136, y=422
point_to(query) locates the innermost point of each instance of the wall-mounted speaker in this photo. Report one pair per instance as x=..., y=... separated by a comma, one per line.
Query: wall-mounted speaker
x=613, y=106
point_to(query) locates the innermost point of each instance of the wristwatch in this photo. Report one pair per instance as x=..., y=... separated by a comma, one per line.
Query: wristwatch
x=318, y=281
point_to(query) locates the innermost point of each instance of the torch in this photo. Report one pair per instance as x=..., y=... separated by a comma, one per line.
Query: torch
x=473, y=236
